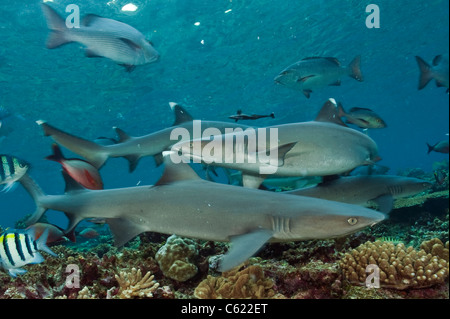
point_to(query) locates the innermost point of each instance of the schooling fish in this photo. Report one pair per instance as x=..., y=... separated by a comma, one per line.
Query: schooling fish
x=316, y=72
x=438, y=71
x=362, y=117
x=19, y=248
x=241, y=116
x=440, y=147
x=81, y=171
x=11, y=170
x=103, y=38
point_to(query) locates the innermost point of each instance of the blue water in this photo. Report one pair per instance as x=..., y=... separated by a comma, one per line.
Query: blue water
x=225, y=62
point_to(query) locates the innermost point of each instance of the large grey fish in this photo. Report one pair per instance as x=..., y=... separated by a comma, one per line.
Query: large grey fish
x=317, y=72
x=102, y=37
x=315, y=148
x=366, y=190
x=133, y=148
x=183, y=204
x=437, y=71
x=440, y=147
x=362, y=117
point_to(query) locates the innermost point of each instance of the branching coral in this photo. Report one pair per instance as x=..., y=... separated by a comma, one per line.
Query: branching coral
x=175, y=258
x=132, y=284
x=247, y=283
x=400, y=267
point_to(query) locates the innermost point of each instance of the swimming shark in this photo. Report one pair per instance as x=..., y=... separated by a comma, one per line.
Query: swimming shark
x=183, y=204
x=133, y=148
x=321, y=147
x=366, y=190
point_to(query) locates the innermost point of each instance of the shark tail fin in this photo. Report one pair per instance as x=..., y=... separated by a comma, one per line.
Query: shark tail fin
x=425, y=73
x=94, y=153
x=37, y=194
x=355, y=69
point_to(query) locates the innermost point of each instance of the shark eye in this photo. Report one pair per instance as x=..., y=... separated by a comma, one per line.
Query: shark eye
x=352, y=221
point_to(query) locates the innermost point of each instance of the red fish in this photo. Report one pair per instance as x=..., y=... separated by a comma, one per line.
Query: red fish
x=81, y=171
x=55, y=234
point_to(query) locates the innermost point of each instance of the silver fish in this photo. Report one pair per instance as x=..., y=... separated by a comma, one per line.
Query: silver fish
x=181, y=203
x=317, y=72
x=440, y=147
x=102, y=37
x=365, y=190
x=437, y=71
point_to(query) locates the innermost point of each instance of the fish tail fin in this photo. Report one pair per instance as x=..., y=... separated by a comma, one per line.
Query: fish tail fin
x=37, y=194
x=94, y=153
x=355, y=69
x=57, y=155
x=42, y=243
x=430, y=148
x=58, y=34
x=425, y=73
x=272, y=115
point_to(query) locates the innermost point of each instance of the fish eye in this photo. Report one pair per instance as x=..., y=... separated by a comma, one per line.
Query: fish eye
x=352, y=220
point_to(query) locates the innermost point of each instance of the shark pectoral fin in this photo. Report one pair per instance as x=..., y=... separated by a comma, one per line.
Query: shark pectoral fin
x=243, y=247
x=385, y=203
x=123, y=230
x=252, y=181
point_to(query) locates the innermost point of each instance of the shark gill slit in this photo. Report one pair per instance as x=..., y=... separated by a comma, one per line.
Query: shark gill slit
x=281, y=225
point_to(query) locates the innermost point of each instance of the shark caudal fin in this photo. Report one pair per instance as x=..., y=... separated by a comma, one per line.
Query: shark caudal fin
x=355, y=69
x=425, y=73
x=37, y=194
x=94, y=153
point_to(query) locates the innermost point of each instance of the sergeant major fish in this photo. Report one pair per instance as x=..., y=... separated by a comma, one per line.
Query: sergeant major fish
x=19, y=248
x=103, y=38
x=11, y=170
x=316, y=72
x=438, y=71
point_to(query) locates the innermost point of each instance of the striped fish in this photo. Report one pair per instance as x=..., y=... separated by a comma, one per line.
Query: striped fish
x=11, y=170
x=19, y=248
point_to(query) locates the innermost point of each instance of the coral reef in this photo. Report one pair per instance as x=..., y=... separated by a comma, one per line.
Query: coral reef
x=400, y=267
x=175, y=258
x=236, y=283
x=132, y=284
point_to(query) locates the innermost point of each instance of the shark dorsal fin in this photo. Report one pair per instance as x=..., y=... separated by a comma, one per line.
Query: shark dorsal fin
x=329, y=113
x=71, y=184
x=175, y=172
x=122, y=135
x=181, y=115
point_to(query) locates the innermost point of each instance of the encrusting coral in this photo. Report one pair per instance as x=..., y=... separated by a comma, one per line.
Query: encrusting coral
x=175, y=258
x=235, y=283
x=132, y=284
x=400, y=267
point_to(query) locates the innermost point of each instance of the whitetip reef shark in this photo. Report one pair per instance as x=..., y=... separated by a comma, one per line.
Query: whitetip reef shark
x=183, y=204
x=130, y=147
x=380, y=190
x=325, y=146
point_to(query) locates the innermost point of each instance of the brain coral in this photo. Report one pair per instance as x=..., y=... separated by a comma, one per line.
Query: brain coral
x=175, y=258
x=400, y=267
x=235, y=283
